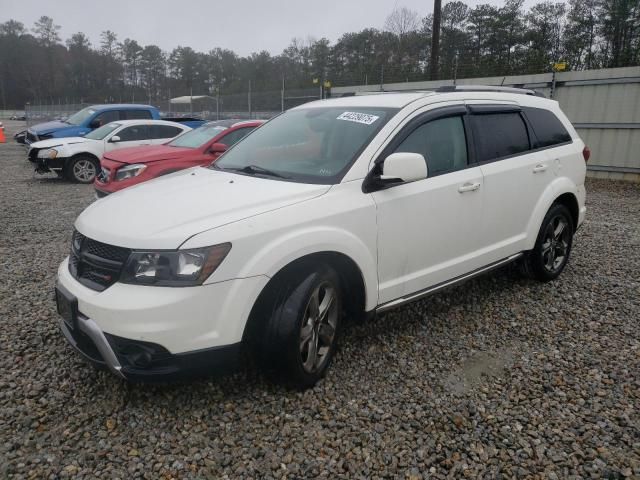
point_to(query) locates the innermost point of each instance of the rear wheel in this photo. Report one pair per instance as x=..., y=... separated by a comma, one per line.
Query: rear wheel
x=298, y=340
x=551, y=252
x=82, y=169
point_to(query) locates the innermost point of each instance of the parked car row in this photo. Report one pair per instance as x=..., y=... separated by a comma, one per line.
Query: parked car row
x=78, y=158
x=348, y=206
x=200, y=147
x=107, y=155
x=96, y=116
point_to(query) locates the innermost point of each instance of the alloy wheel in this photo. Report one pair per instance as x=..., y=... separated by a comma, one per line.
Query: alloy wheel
x=84, y=170
x=318, y=330
x=555, y=246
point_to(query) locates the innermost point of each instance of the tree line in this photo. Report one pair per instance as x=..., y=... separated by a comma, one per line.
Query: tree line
x=485, y=40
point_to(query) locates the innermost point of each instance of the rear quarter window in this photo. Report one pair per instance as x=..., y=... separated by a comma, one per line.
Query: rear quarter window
x=164, y=131
x=548, y=128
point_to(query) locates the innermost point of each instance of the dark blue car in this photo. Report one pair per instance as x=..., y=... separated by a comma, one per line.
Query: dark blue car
x=90, y=118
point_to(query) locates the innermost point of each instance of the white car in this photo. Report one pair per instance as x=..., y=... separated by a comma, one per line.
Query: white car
x=78, y=158
x=345, y=206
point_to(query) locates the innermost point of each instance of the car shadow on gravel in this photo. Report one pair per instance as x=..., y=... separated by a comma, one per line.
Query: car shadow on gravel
x=429, y=323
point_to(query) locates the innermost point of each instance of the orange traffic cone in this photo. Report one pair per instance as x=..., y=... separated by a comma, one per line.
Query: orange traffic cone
x=2, y=139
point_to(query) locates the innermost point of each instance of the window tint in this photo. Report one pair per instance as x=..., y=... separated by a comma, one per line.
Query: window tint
x=106, y=117
x=164, y=131
x=547, y=127
x=499, y=135
x=134, y=114
x=135, y=132
x=442, y=142
x=233, y=137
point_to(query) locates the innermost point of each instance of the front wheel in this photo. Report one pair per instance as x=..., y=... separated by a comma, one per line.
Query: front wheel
x=82, y=169
x=553, y=245
x=300, y=334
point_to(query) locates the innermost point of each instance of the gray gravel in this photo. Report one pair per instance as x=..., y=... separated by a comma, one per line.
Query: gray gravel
x=499, y=378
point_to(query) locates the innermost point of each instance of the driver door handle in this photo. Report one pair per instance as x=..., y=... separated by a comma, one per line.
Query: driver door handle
x=469, y=187
x=541, y=167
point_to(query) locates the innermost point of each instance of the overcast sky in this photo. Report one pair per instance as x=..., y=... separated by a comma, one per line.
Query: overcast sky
x=244, y=26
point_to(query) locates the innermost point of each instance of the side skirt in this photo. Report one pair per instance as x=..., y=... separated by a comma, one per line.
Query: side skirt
x=412, y=297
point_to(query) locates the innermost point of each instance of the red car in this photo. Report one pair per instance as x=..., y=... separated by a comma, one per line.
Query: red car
x=202, y=146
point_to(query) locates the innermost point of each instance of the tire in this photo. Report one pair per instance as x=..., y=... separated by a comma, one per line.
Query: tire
x=298, y=339
x=82, y=169
x=551, y=252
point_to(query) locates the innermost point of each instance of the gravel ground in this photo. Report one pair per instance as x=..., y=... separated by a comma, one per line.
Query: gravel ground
x=499, y=378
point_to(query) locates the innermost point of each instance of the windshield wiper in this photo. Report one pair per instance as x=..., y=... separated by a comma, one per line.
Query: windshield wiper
x=255, y=169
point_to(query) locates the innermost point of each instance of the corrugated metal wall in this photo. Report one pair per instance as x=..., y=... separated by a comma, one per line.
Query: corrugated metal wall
x=603, y=105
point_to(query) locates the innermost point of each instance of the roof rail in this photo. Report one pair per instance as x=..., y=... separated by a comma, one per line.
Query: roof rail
x=487, y=88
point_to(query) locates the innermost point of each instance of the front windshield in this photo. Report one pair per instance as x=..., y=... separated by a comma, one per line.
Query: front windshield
x=198, y=137
x=311, y=145
x=100, y=133
x=79, y=117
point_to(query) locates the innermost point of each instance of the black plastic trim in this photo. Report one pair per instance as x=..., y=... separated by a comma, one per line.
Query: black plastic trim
x=479, y=109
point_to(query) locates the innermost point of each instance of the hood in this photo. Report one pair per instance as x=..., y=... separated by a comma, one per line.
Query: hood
x=48, y=127
x=146, y=154
x=56, y=142
x=165, y=212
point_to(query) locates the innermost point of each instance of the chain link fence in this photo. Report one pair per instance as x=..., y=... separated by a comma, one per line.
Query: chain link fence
x=257, y=105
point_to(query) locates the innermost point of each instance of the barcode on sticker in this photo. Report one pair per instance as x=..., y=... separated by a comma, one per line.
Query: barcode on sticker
x=358, y=117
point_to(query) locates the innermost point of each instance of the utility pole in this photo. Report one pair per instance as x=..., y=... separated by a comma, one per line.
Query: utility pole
x=282, y=95
x=249, y=98
x=435, y=38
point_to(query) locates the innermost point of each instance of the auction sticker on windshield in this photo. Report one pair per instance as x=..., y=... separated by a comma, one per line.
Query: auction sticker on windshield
x=358, y=117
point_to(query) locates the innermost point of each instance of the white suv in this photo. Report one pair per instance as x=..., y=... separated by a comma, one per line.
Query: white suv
x=348, y=206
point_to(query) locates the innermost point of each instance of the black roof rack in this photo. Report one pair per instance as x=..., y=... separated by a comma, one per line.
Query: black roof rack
x=487, y=88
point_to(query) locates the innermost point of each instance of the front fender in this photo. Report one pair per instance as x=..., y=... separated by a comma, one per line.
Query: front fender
x=556, y=188
x=283, y=250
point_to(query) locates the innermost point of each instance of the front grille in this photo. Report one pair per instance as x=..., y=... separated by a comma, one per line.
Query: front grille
x=31, y=138
x=95, y=264
x=33, y=154
x=104, y=174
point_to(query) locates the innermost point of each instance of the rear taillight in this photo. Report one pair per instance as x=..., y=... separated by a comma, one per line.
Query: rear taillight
x=586, y=154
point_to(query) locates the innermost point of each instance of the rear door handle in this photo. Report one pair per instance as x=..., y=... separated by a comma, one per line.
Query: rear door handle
x=469, y=187
x=540, y=168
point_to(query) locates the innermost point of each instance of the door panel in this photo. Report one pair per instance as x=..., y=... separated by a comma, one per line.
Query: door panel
x=512, y=189
x=514, y=179
x=133, y=136
x=428, y=231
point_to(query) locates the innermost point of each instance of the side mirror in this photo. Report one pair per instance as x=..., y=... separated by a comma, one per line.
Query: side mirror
x=404, y=167
x=114, y=139
x=218, y=148
x=95, y=124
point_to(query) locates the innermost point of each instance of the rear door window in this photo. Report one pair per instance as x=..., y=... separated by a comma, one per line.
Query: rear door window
x=133, y=133
x=548, y=128
x=499, y=135
x=134, y=114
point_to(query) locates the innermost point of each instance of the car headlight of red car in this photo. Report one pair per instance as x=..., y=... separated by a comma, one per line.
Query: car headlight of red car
x=129, y=171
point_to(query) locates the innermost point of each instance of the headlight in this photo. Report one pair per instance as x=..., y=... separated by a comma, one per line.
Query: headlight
x=129, y=171
x=179, y=268
x=50, y=153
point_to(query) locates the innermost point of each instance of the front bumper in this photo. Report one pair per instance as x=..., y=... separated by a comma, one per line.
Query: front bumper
x=144, y=361
x=101, y=193
x=145, y=332
x=46, y=164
